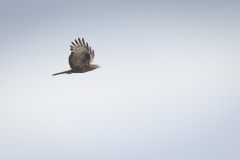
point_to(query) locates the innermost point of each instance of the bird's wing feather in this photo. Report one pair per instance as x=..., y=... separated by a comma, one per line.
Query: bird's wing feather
x=81, y=55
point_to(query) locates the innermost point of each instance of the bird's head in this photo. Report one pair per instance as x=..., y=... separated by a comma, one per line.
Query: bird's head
x=95, y=66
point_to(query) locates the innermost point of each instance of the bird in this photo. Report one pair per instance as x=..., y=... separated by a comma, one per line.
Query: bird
x=81, y=58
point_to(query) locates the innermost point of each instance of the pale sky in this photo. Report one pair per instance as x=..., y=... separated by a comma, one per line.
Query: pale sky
x=168, y=87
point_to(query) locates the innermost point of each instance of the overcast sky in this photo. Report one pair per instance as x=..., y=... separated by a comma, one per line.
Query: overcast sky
x=168, y=87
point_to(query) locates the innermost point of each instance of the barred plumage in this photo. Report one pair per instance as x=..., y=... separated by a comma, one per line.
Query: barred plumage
x=80, y=58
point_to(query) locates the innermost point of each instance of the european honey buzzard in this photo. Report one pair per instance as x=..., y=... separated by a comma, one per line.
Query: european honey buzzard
x=81, y=58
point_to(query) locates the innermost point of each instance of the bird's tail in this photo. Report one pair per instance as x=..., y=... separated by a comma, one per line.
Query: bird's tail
x=68, y=72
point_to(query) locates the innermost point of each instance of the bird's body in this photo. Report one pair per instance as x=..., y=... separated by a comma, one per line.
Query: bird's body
x=80, y=58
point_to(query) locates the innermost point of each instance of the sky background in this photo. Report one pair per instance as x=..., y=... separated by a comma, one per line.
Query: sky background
x=168, y=88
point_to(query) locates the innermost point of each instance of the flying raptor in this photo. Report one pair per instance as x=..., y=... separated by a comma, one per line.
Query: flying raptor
x=80, y=58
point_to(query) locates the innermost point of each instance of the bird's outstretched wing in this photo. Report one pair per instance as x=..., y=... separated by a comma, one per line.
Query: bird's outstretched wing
x=82, y=54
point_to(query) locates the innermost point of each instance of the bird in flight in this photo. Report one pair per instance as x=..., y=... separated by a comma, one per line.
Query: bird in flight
x=80, y=58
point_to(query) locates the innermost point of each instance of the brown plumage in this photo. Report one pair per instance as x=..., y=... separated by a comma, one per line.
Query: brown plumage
x=80, y=58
